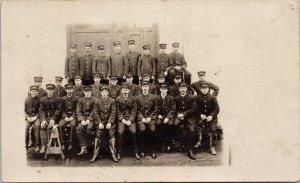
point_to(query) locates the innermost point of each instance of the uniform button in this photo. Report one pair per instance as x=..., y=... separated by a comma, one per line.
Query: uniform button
x=205, y=110
x=204, y=105
x=204, y=101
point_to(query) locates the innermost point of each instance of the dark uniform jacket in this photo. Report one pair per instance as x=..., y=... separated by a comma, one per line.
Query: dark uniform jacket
x=146, y=64
x=96, y=90
x=196, y=87
x=178, y=60
x=147, y=106
x=86, y=63
x=50, y=107
x=78, y=91
x=72, y=66
x=41, y=93
x=118, y=65
x=69, y=105
x=59, y=91
x=32, y=106
x=163, y=63
x=100, y=65
x=166, y=106
x=85, y=108
x=207, y=105
x=126, y=109
x=114, y=91
x=105, y=111
x=133, y=58
x=186, y=105
x=134, y=90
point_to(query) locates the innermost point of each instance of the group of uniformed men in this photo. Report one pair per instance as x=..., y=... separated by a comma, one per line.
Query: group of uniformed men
x=97, y=101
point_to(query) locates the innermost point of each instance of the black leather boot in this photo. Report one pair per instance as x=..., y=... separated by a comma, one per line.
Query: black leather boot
x=112, y=147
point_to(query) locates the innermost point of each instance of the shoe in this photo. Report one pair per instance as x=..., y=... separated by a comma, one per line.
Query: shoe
x=83, y=151
x=197, y=145
x=30, y=144
x=153, y=156
x=137, y=156
x=37, y=148
x=119, y=156
x=168, y=148
x=213, y=151
x=142, y=155
x=191, y=155
x=43, y=150
x=70, y=147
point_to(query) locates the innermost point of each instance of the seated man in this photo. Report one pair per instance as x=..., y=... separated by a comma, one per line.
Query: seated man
x=207, y=115
x=38, y=82
x=185, y=105
x=147, y=116
x=166, y=116
x=69, y=104
x=196, y=86
x=105, y=120
x=146, y=77
x=85, y=117
x=174, y=89
x=49, y=113
x=126, y=116
x=32, y=105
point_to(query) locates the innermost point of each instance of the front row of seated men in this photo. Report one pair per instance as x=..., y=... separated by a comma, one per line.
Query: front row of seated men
x=162, y=117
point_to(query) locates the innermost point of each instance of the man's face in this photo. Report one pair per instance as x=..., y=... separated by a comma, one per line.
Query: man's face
x=182, y=89
x=78, y=82
x=161, y=80
x=162, y=50
x=146, y=78
x=104, y=93
x=204, y=90
x=125, y=91
x=129, y=80
x=177, y=80
x=88, y=93
x=69, y=91
x=131, y=47
x=201, y=78
x=117, y=48
x=58, y=83
x=33, y=93
x=163, y=91
x=38, y=83
x=145, y=89
x=114, y=82
x=101, y=52
x=147, y=52
x=73, y=50
x=87, y=49
x=97, y=80
x=49, y=92
x=175, y=49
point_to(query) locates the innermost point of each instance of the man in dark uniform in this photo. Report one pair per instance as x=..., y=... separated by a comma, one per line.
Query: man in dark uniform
x=113, y=88
x=59, y=90
x=197, y=85
x=85, y=117
x=160, y=80
x=146, y=118
x=133, y=88
x=146, y=63
x=126, y=117
x=86, y=63
x=164, y=62
x=152, y=87
x=105, y=121
x=118, y=64
x=32, y=105
x=78, y=88
x=133, y=58
x=38, y=82
x=207, y=115
x=96, y=92
x=185, y=106
x=174, y=89
x=166, y=116
x=49, y=114
x=179, y=64
x=100, y=65
x=69, y=104
x=72, y=64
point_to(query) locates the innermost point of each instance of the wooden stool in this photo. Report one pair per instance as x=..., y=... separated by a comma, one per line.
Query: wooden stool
x=54, y=145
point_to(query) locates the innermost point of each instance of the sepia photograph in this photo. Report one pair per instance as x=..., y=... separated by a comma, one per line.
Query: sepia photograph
x=105, y=91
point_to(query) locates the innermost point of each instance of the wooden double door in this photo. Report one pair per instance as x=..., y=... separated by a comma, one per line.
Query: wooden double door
x=107, y=34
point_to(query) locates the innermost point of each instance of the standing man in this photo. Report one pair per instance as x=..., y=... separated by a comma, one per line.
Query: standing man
x=185, y=106
x=38, y=82
x=197, y=85
x=179, y=64
x=146, y=63
x=164, y=62
x=126, y=117
x=32, y=105
x=100, y=65
x=72, y=64
x=85, y=117
x=49, y=113
x=105, y=120
x=133, y=88
x=113, y=88
x=146, y=117
x=69, y=103
x=207, y=114
x=59, y=90
x=86, y=63
x=118, y=64
x=133, y=58
x=78, y=88
x=96, y=86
